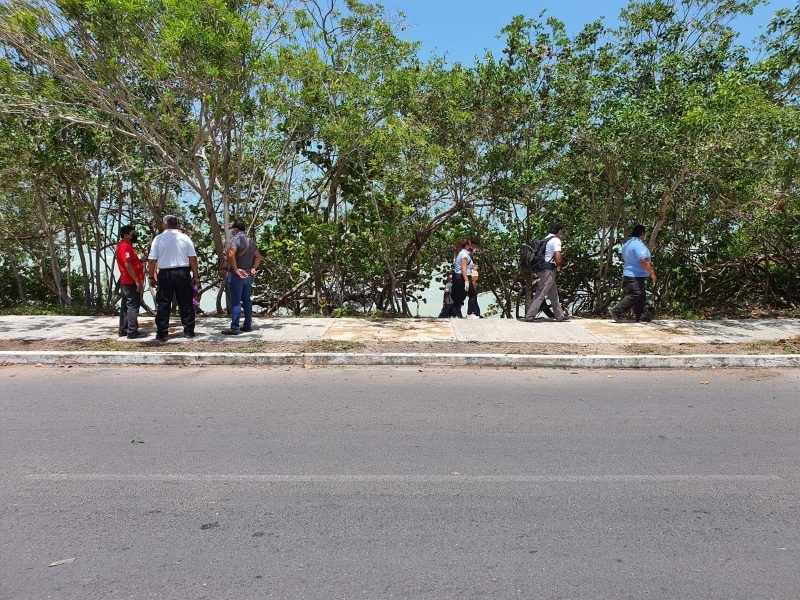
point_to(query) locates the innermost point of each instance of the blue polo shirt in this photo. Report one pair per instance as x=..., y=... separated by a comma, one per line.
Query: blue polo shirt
x=633, y=251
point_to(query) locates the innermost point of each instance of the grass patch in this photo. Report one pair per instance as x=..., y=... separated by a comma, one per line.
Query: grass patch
x=109, y=346
x=784, y=346
x=642, y=349
x=331, y=346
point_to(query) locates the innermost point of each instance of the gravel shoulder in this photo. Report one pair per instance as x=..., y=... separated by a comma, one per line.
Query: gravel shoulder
x=785, y=346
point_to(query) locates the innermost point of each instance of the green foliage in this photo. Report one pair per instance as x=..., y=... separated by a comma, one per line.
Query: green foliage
x=357, y=166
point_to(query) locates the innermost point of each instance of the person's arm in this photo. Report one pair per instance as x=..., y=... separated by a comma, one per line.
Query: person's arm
x=649, y=268
x=139, y=284
x=559, y=259
x=256, y=262
x=195, y=272
x=152, y=268
x=231, y=254
x=464, y=273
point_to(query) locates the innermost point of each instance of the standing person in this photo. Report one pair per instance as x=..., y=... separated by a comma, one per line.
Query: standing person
x=546, y=287
x=636, y=269
x=243, y=259
x=462, y=268
x=447, y=299
x=131, y=282
x=173, y=269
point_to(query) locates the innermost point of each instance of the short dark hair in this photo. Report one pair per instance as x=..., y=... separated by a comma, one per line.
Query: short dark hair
x=556, y=226
x=638, y=230
x=171, y=221
x=238, y=224
x=125, y=230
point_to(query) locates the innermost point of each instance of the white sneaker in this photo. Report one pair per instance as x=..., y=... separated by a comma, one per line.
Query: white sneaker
x=473, y=317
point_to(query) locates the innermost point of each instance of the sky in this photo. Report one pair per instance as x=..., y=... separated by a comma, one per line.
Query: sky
x=461, y=29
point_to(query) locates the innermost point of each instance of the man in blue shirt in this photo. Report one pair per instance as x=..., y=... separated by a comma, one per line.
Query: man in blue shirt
x=637, y=268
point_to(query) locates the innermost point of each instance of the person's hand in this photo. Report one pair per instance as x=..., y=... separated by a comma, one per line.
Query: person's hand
x=466, y=286
x=241, y=273
x=654, y=278
x=140, y=286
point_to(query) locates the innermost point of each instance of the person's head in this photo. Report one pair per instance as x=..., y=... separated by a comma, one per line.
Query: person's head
x=236, y=226
x=556, y=228
x=170, y=222
x=638, y=231
x=127, y=232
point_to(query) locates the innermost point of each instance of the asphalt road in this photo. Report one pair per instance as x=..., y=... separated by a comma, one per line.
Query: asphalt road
x=289, y=483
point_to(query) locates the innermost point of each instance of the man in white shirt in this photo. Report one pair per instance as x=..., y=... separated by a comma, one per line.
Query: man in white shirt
x=546, y=287
x=173, y=269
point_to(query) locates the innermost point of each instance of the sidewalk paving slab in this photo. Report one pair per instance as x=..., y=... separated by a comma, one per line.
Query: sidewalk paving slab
x=580, y=332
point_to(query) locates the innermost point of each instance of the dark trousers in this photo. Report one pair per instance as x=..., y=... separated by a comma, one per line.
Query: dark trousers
x=472, y=302
x=129, y=309
x=174, y=283
x=458, y=294
x=635, y=297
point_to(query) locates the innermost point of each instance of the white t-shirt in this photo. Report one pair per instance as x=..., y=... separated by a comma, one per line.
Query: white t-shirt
x=457, y=262
x=553, y=246
x=171, y=249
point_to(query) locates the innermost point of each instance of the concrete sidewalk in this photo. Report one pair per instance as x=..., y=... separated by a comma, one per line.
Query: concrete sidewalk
x=577, y=331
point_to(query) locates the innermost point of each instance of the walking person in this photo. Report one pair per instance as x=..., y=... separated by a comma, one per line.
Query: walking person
x=546, y=287
x=462, y=269
x=243, y=259
x=635, y=271
x=173, y=270
x=473, y=308
x=131, y=282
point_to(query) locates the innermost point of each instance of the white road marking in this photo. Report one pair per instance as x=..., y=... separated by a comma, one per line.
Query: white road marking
x=400, y=478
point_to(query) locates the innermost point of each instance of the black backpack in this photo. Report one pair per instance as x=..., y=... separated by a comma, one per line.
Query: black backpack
x=533, y=256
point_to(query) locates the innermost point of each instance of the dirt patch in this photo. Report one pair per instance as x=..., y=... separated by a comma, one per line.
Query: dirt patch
x=787, y=346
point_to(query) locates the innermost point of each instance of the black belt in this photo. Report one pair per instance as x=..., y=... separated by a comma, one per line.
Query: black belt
x=186, y=268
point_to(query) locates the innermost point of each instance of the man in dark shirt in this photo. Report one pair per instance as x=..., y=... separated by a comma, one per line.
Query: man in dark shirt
x=243, y=259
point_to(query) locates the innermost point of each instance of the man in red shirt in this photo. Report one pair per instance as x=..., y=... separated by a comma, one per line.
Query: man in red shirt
x=131, y=282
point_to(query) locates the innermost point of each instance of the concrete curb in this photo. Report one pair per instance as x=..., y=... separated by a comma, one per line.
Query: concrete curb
x=566, y=361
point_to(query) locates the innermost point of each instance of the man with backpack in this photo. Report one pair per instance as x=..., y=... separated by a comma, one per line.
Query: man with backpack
x=548, y=262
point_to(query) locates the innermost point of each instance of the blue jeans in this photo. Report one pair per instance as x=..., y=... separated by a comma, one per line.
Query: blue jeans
x=240, y=299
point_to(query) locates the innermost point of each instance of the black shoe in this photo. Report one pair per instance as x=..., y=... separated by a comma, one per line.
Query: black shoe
x=562, y=319
x=122, y=333
x=230, y=332
x=614, y=315
x=246, y=329
x=161, y=338
x=135, y=335
x=188, y=334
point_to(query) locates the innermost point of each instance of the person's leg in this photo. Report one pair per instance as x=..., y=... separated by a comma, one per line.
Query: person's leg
x=236, y=288
x=633, y=290
x=185, y=294
x=123, y=312
x=458, y=294
x=472, y=302
x=546, y=280
x=247, y=303
x=132, y=300
x=638, y=308
x=164, y=294
x=555, y=302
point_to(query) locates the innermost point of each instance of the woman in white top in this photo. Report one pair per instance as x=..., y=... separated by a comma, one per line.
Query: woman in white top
x=462, y=270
